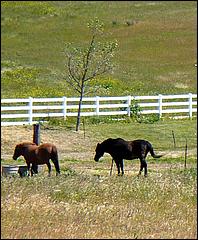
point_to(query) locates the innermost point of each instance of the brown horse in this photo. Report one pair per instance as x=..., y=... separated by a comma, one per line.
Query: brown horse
x=120, y=149
x=37, y=155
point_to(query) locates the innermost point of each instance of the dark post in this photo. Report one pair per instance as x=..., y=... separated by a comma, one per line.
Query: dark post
x=36, y=139
x=36, y=134
x=174, y=139
x=186, y=150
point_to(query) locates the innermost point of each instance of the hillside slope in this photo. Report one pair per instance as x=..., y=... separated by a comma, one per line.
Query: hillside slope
x=156, y=53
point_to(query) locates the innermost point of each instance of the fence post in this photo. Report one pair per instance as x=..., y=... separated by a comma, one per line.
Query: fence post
x=97, y=105
x=30, y=110
x=129, y=106
x=186, y=152
x=174, y=139
x=37, y=140
x=64, y=107
x=160, y=105
x=36, y=133
x=190, y=104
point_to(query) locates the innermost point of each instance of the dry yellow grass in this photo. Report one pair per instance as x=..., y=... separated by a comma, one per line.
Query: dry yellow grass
x=88, y=206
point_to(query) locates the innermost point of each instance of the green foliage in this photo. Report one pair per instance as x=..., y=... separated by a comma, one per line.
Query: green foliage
x=151, y=118
x=107, y=120
x=137, y=116
x=96, y=26
x=33, y=8
x=20, y=75
x=67, y=171
x=106, y=86
x=22, y=78
x=55, y=122
x=24, y=81
x=135, y=110
x=8, y=64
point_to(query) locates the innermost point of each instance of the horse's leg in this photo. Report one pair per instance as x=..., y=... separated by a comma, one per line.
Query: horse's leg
x=143, y=165
x=34, y=168
x=49, y=168
x=28, y=168
x=118, y=165
x=31, y=170
x=145, y=168
x=54, y=158
x=122, y=166
x=111, y=167
x=56, y=164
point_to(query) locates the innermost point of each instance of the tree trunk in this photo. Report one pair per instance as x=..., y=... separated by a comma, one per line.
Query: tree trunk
x=78, y=117
x=79, y=110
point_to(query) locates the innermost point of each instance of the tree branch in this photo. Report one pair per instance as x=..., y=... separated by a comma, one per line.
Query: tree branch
x=71, y=72
x=98, y=71
x=69, y=81
x=86, y=61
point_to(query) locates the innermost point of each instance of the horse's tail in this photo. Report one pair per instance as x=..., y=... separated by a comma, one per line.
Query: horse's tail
x=153, y=153
x=54, y=158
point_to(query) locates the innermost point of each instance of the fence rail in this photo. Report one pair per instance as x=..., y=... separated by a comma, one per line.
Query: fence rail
x=33, y=110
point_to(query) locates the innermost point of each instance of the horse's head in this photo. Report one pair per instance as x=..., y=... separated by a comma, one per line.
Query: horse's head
x=18, y=151
x=99, y=152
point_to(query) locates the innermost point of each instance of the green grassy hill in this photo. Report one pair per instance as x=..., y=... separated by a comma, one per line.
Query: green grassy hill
x=156, y=52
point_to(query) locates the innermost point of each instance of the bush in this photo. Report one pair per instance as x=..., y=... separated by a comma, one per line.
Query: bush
x=137, y=116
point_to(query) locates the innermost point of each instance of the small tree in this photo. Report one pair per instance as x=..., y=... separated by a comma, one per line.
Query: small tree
x=85, y=64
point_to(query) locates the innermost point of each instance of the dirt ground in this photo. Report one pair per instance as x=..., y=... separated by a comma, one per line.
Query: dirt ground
x=70, y=144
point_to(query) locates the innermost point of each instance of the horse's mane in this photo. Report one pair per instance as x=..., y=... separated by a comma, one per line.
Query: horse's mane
x=27, y=143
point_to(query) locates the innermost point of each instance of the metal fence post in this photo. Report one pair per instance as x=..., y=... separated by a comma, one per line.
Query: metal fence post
x=190, y=105
x=160, y=105
x=30, y=110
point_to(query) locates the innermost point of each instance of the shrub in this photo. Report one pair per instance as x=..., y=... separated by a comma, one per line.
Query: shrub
x=137, y=115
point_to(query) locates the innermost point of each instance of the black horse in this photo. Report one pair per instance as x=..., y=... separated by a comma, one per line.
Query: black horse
x=120, y=149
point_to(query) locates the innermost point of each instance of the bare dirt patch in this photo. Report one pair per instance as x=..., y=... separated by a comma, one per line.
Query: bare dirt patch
x=70, y=144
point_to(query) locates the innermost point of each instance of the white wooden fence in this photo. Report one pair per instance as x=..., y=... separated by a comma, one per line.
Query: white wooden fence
x=33, y=110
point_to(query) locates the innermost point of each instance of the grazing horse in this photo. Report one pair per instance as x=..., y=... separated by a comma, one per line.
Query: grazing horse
x=37, y=155
x=120, y=149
